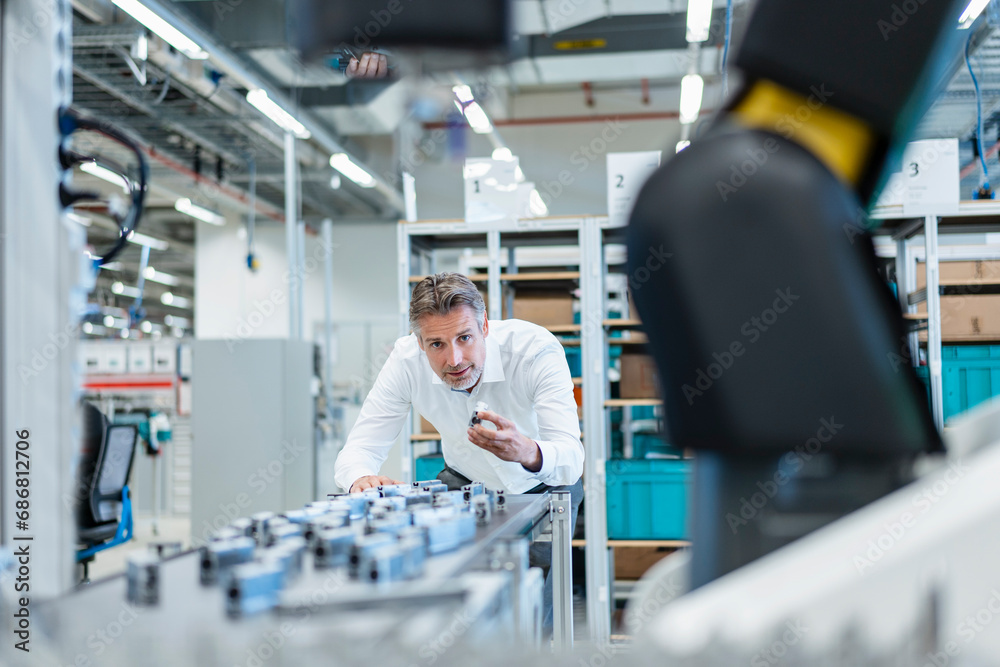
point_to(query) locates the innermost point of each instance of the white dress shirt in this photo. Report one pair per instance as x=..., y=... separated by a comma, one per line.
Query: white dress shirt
x=525, y=379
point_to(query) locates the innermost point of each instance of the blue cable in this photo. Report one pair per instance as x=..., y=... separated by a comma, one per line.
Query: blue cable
x=725, y=47
x=979, y=113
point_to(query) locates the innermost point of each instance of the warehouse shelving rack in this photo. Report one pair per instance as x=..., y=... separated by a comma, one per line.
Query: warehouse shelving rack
x=977, y=217
x=417, y=242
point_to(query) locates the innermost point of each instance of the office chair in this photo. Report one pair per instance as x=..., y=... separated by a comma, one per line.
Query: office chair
x=104, y=508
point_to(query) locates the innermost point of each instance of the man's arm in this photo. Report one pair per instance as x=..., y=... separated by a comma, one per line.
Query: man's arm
x=550, y=384
x=382, y=416
x=556, y=457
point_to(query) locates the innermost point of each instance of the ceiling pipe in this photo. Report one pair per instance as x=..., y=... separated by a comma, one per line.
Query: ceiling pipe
x=230, y=65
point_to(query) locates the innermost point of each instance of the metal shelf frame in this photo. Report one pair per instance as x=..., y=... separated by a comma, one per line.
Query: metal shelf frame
x=979, y=216
x=416, y=242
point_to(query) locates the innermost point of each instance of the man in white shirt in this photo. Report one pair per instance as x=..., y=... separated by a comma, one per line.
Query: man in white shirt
x=454, y=359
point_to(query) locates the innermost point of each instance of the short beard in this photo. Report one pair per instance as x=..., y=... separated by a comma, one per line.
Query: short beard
x=462, y=383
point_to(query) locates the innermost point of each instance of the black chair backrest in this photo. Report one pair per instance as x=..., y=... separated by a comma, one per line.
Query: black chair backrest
x=106, y=462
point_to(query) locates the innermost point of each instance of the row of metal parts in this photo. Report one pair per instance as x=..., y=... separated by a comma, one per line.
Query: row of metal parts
x=380, y=535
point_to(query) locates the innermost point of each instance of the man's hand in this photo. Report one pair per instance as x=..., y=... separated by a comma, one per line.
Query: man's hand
x=371, y=482
x=506, y=443
x=371, y=66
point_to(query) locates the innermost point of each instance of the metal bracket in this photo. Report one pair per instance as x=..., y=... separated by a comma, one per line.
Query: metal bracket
x=560, y=514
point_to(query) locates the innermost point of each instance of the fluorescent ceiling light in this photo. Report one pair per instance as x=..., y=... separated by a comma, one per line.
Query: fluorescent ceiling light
x=503, y=153
x=187, y=207
x=463, y=93
x=259, y=99
x=100, y=172
x=167, y=32
x=536, y=204
x=699, y=20
x=146, y=327
x=160, y=277
x=971, y=13
x=478, y=120
x=79, y=219
x=691, y=89
x=176, y=321
x=681, y=145
x=171, y=299
x=342, y=163
x=121, y=288
x=88, y=328
x=109, y=321
x=125, y=333
x=142, y=239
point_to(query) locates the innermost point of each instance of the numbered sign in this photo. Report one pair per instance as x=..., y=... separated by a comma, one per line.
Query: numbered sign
x=627, y=172
x=490, y=189
x=931, y=172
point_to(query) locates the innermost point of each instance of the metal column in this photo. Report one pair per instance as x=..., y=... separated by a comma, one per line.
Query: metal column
x=291, y=239
x=328, y=313
x=594, y=355
x=403, y=282
x=906, y=284
x=493, y=280
x=41, y=266
x=933, y=318
x=560, y=512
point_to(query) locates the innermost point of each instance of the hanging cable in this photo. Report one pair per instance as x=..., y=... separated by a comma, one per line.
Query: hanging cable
x=984, y=191
x=725, y=49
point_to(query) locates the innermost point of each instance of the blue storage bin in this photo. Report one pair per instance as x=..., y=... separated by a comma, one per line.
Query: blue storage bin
x=652, y=444
x=647, y=499
x=574, y=357
x=970, y=376
x=427, y=467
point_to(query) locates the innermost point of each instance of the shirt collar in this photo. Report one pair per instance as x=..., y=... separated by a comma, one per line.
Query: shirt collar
x=492, y=367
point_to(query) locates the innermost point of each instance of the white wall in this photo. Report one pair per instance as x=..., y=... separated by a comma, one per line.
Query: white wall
x=232, y=301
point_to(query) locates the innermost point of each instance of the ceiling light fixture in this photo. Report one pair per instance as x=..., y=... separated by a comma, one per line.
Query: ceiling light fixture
x=159, y=25
x=699, y=20
x=105, y=174
x=478, y=120
x=286, y=121
x=142, y=239
x=503, y=153
x=342, y=163
x=681, y=145
x=187, y=207
x=692, y=87
x=463, y=93
x=160, y=277
x=971, y=13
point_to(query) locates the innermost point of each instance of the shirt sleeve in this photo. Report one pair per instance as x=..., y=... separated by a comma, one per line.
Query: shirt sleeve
x=551, y=388
x=381, y=419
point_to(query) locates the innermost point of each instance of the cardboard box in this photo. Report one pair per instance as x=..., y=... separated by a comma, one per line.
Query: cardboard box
x=633, y=562
x=986, y=269
x=638, y=377
x=546, y=311
x=968, y=318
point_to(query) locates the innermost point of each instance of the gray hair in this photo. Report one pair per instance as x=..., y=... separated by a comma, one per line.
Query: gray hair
x=440, y=294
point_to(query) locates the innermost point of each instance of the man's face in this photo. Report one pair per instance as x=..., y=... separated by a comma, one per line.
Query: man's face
x=455, y=345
